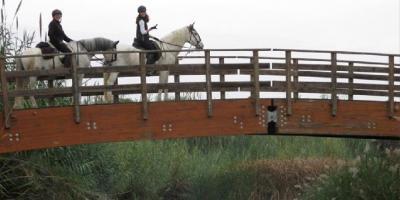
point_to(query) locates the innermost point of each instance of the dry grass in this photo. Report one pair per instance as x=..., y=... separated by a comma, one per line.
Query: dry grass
x=284, y=179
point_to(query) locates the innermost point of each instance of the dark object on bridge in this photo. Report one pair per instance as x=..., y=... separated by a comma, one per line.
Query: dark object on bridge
x=46, y=48
x=272, y=118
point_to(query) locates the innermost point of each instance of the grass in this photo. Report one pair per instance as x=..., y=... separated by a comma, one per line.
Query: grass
x=212, y=168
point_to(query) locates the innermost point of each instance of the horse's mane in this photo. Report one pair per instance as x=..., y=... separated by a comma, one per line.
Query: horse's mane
x=97, y=44
x=174, y=34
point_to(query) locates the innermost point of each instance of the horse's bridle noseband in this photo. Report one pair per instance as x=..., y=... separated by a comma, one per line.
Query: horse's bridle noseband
x=198, y=40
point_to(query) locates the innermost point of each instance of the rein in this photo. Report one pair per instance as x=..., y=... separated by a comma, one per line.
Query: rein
x=163, y=42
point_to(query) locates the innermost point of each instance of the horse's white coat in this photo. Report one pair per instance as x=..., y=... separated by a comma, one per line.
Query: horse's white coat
x=173, y=41
x=38, y=63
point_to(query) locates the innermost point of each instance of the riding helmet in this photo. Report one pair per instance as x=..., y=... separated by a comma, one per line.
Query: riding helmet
x=56, y=12
x=141, y=9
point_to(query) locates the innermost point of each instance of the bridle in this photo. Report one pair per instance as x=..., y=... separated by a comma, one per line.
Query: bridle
x=192, y=35
x=195, y=36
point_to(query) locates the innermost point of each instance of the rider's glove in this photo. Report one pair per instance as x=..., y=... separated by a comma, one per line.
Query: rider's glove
x=154, y=27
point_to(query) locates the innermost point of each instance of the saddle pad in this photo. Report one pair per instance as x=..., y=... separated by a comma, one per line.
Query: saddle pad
x=46, y=48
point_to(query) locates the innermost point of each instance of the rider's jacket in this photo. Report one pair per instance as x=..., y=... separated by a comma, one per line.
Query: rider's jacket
x=56, y=33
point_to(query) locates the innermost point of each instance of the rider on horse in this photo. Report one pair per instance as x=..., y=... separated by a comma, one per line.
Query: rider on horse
x=142, y=34
x=57, y=36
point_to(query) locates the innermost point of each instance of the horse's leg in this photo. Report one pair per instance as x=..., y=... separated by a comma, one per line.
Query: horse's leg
x=21, y=83
x=31, y=85
x=109, y=79
x=163, y=78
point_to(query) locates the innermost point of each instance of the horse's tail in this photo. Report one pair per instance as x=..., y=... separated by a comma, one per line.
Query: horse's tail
x=19, y=67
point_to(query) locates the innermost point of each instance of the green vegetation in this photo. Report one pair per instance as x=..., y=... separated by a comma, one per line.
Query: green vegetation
x=213, y=168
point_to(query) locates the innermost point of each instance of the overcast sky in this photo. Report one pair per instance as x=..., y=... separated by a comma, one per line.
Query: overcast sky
x=355, y=25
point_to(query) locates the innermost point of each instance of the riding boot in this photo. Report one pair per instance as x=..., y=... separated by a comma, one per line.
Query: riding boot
x=67, y=61
x=150, y=59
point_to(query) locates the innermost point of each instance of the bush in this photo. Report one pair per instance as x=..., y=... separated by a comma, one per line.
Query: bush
x=371, y=176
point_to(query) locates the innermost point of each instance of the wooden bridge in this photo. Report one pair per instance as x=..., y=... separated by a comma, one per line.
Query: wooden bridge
x=282, y=92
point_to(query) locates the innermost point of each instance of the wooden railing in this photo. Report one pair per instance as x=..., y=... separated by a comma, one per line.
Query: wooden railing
x=298, y=72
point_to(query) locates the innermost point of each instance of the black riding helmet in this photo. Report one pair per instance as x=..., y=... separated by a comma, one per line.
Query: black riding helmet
x=141, y=9
x=56, y=12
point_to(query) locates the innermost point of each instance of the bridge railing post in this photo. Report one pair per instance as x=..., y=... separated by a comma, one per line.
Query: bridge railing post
x=115, y=95
x=256, y=81
x=288, y=56
x=351, y=81
x=177, y=80
x=145, y=106
x=75, y=90
x=333, y=83
x=4, y=91
x=208, y=82
x=51, y=85
x=391, y=87
x=222, y=77
x=296, y=78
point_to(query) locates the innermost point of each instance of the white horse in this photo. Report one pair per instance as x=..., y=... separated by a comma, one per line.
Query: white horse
x=38, y=63
x=173, y=41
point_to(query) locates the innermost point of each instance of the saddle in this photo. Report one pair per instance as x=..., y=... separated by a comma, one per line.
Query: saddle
x=46, y=48
x=156, y=55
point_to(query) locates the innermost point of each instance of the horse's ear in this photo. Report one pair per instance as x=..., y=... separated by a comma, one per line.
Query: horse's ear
x=191, y=27
x=115, y=43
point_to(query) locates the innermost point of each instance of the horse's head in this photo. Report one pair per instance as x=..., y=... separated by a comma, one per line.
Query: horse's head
x=109, y=58
x=194, y=37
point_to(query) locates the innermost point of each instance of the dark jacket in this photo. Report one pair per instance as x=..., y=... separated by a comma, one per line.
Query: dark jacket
x=141, y=37
x=56, y=33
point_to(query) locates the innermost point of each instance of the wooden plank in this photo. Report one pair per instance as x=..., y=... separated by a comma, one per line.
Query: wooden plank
x=271, y=72
x=208, y=83
x=295, y=77
x=4, y=92
x=346, y=75
x=346, y=61
x=51, y=85
x=222, y=77
x=52, y=127
x=288, y=56
x=336, y=52
x=177, y=80
x=75, y=91
x=136, y=89
x=143, y=83
x=308, y=87
x=326, y=67
x=97, y=72
x=391, y=88
x=334, y=84
x=256, y=82
x=351, y=81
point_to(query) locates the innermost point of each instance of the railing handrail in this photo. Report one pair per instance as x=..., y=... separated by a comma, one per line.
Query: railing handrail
x=338, y=52
x=212, y=50
x=135, y=51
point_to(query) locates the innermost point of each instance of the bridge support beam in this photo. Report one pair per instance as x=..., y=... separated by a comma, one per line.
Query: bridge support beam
x=53, y=127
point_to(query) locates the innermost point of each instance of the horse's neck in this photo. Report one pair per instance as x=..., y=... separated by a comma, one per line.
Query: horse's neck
x=175, y=40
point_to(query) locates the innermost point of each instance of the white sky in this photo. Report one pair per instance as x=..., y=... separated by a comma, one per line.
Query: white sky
x=354, y=25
